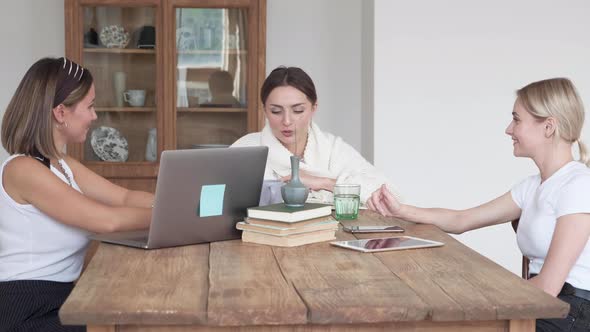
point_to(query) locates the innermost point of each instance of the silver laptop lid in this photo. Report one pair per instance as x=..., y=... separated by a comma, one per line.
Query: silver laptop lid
x=201, y=194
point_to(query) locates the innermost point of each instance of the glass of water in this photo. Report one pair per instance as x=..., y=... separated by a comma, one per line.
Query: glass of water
x=346, y=201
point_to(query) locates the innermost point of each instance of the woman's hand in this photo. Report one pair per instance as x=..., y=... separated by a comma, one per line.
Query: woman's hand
x=383, y=202
x=313, y=182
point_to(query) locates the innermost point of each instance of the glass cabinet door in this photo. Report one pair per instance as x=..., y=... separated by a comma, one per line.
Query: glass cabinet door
x=118, y=47
x=211, y=76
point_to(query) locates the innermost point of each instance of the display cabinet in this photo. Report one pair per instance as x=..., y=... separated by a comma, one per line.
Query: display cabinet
x=169, y=74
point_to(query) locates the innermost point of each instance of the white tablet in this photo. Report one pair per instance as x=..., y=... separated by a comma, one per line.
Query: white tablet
x=387, y=243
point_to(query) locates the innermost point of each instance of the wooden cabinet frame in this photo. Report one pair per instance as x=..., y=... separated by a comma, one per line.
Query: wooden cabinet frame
x=142, y=175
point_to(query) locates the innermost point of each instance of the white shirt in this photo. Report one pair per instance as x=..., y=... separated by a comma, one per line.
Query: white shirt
x=565, y=192
x=325, y=155
x=34, y=246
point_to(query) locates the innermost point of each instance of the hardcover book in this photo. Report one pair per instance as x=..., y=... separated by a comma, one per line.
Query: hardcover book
x=297, y=224
x=287, y=229
x=289, y=240
x=280, y=212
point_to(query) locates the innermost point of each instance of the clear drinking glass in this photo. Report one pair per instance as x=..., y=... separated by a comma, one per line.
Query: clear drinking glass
x=346, y=201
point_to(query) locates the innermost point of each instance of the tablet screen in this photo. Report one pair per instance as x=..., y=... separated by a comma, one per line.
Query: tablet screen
x=388, y=243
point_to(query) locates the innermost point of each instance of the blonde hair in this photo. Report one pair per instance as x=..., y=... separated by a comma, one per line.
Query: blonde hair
x=557, y=98
x=27, y=126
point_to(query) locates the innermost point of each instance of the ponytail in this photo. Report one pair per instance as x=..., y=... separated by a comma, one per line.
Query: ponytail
x=583, y=153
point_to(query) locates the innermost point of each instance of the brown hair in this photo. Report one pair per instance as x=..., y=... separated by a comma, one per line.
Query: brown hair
x=27, y=126
x=289, y=76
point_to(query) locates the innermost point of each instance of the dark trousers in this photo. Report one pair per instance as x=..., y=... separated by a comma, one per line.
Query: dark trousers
x=577, y=320
x=33, y=305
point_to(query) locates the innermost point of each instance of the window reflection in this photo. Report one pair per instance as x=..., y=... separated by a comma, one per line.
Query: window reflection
x=212, y=57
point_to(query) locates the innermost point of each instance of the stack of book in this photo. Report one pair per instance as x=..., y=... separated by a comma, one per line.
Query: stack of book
x=279, y=225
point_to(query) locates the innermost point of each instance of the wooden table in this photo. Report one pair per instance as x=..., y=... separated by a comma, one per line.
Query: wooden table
x=232, y=285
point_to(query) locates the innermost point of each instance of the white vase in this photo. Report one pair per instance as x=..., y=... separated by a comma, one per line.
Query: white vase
x=151, y=147
x=119, y=87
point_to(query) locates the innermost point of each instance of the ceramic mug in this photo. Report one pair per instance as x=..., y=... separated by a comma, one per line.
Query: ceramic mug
x=135, y=97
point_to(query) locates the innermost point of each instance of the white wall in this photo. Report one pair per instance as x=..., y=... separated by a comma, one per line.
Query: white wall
x=368, y=80
x=323, y=37
x=29, y=30
x=445, y=76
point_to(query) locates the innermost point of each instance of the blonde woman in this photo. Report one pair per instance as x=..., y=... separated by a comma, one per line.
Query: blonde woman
x=553, y=206
x=50, y=202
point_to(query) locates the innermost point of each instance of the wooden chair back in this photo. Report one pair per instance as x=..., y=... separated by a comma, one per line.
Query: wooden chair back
x=525, y=260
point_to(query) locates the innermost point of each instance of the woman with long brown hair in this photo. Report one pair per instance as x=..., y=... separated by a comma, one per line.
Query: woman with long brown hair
x=50, y=202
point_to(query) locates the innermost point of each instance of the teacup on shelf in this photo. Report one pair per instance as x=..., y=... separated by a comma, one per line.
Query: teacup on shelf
x=135, y=98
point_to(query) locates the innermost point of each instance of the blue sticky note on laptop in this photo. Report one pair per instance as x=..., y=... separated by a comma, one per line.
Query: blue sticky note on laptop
x=211, y=200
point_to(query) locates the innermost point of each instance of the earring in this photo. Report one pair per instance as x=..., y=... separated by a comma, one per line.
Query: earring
x=60, y=125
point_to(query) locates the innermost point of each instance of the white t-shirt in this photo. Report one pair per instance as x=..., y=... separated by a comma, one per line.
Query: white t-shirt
x=565, y=192
x=34, y=246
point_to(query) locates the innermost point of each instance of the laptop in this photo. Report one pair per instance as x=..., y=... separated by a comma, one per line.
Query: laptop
x=200, y=196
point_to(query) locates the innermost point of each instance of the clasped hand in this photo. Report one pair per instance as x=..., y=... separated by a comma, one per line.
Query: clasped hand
x=383, y=202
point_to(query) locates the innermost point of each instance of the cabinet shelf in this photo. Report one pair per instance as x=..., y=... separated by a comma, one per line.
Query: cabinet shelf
x=125, y=109
x=213, y=109
x=120, y=50
x=226, y=51
x=120, y=164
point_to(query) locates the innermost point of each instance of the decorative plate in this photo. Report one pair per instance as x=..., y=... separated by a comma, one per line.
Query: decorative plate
x=114, y=36
x=109, y=144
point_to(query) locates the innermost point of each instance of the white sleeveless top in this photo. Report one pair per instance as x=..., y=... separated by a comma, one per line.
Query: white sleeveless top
x=34, y=246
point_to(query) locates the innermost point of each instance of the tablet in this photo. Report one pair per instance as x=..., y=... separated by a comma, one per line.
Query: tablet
x=387, y=243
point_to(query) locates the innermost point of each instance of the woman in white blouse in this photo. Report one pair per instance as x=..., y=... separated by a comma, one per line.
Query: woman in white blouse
x=290, y=102
x=553, y=206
